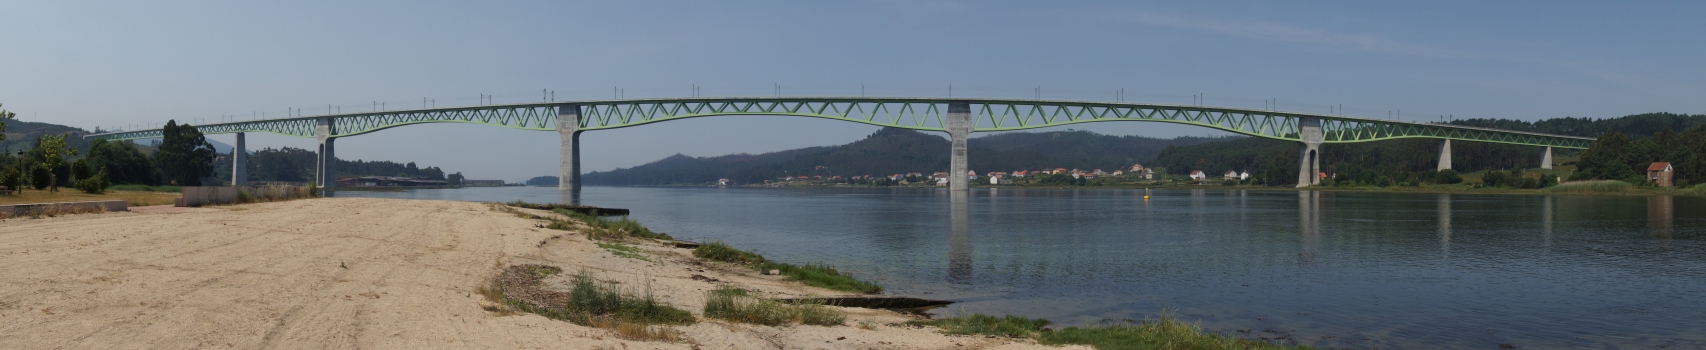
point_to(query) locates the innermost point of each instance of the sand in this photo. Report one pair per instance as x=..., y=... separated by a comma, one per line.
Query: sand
x=336, y=273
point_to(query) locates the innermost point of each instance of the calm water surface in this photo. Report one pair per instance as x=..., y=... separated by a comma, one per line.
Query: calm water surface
x=1360, y=270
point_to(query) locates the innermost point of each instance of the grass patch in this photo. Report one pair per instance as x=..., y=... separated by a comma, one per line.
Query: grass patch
x=624, y=251
x=588, y=303
x=816, y=275
x=980, y=324
x=133, y=198
x=734, y=304
x=147, y=188
x=1163, y=333
x=1597, y=186
x=602, y=227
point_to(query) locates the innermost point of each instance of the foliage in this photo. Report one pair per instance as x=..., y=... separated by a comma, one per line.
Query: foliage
x=11, y=179
x=543, y=181
x=623, y=251
x=453, y=179
x=4, y=115
x=147, y=188
x=123, y=162
x=94, y=183
x=1614, y=156
x=290, y=164
x=40, y=178
x=980, y=324
x=1447, y=176
x=53, y=151
x=1638, y=125
x=733, y=304
x=588, y=299
x=185, y=156
x=719, y=251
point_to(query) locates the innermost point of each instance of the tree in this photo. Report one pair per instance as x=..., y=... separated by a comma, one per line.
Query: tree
x=123, y=162
x=54, y=152
x=4, y=115
x=39, y=177
x=184, y=156
x=455, y=179
x=11, y=179
x=1606, y=159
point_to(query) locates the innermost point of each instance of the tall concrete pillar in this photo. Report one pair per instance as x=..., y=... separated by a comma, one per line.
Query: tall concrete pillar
x=1546, y=158
x=569, y=128
x=239, y=163
x=959, y=127
x=1309, y=154
x=326, y=175
x=1444, y=154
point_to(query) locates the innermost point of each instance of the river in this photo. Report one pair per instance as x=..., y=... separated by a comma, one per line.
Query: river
x=1334, y=269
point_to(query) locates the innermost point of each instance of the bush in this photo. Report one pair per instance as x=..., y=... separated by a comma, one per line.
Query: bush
x=12, y=179
x=816, y=275
x=602, y=227
x=1596, y=186
x=1448, y=177
x=1165, y=333
x=719, y=251
x=40, y=178
x=95, y=183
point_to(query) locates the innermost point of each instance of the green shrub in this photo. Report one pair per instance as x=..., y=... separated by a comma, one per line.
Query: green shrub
x=40, y=178
x=816, y=275
x=12, y=179
x=603, y=227
x=733, y=304
x=1447, y=177
x=94, y=183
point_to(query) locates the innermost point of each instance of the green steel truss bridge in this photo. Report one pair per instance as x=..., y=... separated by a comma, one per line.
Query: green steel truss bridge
x=956, y=116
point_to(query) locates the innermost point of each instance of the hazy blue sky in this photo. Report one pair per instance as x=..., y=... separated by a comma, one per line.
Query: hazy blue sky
x=89, y=64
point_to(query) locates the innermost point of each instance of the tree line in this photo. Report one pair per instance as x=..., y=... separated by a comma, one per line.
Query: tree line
x=182, y=157
x=1617, y=156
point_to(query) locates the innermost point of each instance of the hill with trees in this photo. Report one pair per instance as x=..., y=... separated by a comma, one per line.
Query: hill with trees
x=892, y=150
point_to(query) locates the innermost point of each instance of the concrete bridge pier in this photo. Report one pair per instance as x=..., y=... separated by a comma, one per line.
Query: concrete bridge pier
x=239, y=163
x=1444, y=155
x=1309, y=153
x=959, y=125
x=326, y=175
x=569, y=128
x=1546, y=158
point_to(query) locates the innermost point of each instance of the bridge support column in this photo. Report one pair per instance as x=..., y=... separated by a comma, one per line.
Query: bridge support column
x=569, y=128
x=1309, y=153
x=959, y=126
x=1546, y=158
x=326, y=174
x=1444, y=155
x=239, y=163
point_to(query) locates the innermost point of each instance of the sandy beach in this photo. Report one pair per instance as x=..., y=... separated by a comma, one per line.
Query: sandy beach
x=337, y=273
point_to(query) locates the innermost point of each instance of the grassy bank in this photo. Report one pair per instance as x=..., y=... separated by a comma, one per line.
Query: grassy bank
x=816, y=275
x=1163, y=333
x=134, y=198
x=733, y=304
x=146, y=188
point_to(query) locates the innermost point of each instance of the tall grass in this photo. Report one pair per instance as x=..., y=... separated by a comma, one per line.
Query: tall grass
x=1597, y=186
x=734, y=304
x=816, y=275
x=587, y=303
x=1163, y=333
x=603, y=227
x=1008, y=326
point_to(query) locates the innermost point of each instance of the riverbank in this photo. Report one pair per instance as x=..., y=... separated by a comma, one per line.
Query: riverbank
x=134, y=198
x=361, y=272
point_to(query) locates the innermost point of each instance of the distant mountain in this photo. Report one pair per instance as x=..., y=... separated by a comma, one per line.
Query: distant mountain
x=893, y=150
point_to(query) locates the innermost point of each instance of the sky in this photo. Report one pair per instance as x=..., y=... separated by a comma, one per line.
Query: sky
x=120, y=64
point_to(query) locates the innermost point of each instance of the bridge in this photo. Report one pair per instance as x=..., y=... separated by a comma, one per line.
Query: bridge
x=959, y=117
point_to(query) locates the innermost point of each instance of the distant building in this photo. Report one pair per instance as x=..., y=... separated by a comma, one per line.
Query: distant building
x=1230, y=175
x=1146, y=174
x=1000, y=180
x=1117, y=173
x=1021, y=173
x=483, y=183
x=1136, y=168
x=1244, y=175
x=1058, y=171
x=392, y=181
x=1198, y=175
x=724, y=182
x=971, y=174
x=1660, y=173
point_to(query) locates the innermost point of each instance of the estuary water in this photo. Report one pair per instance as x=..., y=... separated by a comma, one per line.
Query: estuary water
x=1330, y=269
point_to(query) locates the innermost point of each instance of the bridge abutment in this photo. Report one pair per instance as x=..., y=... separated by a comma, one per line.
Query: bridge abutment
x=1309, y=153
x=1546, y=158
x=239, y=162
x=326, y=175
x=568, y=127
x=959, y=125
x=1444, y=155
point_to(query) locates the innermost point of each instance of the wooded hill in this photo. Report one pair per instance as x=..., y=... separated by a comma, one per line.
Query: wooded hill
x=892, y=150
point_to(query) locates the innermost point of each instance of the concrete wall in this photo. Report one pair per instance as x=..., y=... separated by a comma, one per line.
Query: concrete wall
x=195, y=196
x=66, y=208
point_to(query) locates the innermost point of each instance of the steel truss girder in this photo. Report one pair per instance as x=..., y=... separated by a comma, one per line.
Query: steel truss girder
x=910, y=113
